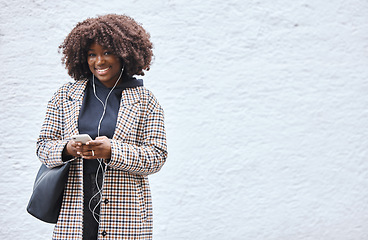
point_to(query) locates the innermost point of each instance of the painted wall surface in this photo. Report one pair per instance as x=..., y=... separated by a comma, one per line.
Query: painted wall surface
x=266, y=112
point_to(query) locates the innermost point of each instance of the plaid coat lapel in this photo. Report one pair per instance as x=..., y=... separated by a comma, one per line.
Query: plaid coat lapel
x=127, y=114
x=73, y=105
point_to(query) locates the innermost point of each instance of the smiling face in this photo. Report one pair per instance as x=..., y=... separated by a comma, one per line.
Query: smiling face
x=104, y=64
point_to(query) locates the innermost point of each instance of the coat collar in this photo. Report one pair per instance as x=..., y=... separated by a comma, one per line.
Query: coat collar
x=76, y=91
x=128, y=108
x=129, y=96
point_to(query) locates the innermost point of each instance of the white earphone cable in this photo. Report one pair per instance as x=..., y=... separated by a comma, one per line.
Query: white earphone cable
x=104, y=105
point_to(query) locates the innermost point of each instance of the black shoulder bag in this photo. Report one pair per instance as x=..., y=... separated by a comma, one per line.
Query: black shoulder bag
x=48, y=190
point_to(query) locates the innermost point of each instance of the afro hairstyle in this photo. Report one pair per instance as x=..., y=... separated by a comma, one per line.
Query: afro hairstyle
x=126, y=38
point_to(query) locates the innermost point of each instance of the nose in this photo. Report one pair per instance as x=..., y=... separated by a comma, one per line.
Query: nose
x=100, y=60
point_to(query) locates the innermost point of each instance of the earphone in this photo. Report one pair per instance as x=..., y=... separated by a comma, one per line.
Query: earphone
x=100, y=166
x=104, y=104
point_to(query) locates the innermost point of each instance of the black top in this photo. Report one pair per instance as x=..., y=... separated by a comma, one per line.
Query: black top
x=92, y=109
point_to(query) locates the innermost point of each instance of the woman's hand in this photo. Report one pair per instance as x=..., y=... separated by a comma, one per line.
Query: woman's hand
x=73, y=148
x=98, y=148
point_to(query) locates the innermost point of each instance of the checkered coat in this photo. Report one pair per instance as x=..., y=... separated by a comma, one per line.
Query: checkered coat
x=138, y=149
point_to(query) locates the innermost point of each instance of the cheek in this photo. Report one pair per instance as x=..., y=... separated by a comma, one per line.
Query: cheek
x=90, y=64
x=117, y=62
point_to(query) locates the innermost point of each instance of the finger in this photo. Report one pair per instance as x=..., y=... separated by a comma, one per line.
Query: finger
x=87, y=149
x=79, y=152
x=72, y=143
x=101, y=138
x=89, y=155
x=94, y=142
x=77, y=145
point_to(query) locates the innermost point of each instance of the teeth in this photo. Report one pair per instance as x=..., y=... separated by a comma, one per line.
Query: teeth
x=102, y=70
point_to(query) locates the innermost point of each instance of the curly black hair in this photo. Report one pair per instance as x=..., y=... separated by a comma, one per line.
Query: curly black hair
x=126, y=38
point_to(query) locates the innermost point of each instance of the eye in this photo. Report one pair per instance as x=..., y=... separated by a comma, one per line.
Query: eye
x=91, y=55
x=107, y=53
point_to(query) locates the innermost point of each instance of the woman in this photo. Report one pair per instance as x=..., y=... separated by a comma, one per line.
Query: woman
x=107, y=194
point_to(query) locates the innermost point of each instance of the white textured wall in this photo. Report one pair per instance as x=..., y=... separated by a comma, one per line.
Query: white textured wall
x=266, y=111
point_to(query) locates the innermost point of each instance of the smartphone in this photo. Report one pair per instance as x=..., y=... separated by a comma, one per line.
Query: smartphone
x=83, y=138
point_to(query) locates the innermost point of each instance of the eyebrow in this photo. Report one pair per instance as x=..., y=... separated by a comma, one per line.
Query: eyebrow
x=104, y=48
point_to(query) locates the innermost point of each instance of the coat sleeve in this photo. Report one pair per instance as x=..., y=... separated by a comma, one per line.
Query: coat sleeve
x=50, y=143
x=148, y=157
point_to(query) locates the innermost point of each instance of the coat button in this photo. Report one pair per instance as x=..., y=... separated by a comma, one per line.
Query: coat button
x=106, y=201
x=104, y=233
